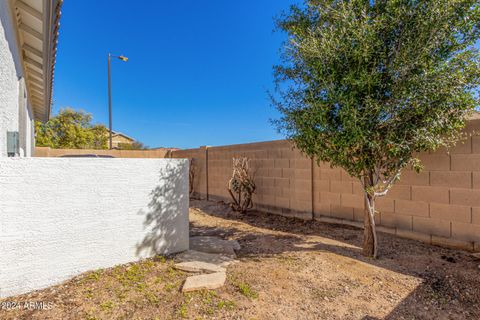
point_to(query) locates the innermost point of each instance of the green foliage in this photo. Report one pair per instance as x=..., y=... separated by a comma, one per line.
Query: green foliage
x=71, y=129
x=183, y=311
x=107, y=305
x=365, y=85
x=244, y=288
x=136, y=145
x=227, y=304
x=95, y=275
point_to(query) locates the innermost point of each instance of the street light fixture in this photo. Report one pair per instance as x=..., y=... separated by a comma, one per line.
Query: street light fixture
x=124, y=59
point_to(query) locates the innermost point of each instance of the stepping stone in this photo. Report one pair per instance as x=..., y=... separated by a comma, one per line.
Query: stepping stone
x=476, y=255
x=198, y=266
x=210, y=244
x=213, y=258
x=204, y=281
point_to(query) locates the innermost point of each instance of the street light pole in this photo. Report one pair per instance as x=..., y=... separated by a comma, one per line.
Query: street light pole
x=109, y=103
x=124, y=59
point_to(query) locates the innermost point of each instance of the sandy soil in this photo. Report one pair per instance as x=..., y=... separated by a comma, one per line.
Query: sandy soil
x=288, y=269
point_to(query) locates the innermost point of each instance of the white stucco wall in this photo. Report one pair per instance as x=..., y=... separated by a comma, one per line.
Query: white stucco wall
x=12, y=108
x=63, y=216
x=25, y=123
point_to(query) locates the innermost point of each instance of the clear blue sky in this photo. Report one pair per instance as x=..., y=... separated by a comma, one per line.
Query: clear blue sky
x=198, y=71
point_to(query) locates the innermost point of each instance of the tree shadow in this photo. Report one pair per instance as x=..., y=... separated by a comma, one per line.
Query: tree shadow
x=449, y=278
x=166, y=216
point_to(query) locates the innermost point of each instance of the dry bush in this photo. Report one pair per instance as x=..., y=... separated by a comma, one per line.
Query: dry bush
x=241, y=185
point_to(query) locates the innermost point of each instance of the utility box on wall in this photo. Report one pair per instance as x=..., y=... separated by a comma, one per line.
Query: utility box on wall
x=13, y=144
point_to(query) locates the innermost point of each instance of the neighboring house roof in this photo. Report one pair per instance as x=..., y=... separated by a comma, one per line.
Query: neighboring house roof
x=38, y=22
x=123, y=135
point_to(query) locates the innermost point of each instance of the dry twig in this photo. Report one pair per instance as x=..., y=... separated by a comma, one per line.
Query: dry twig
x=191, y=175
x=241, y=185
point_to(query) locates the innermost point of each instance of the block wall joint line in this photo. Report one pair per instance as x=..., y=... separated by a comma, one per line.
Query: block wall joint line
x=312, y=191
x=206, y=172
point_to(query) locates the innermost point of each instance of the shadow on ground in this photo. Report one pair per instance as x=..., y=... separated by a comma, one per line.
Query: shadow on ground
x=450, y=279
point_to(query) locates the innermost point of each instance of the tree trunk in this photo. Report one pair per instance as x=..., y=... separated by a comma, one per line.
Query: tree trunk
x=369, y=231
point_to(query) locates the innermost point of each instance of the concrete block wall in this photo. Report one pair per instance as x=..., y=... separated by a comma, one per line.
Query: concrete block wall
x=199, y=163
x=440, y=205
x=65, y=216
x=282, y=175
x=153, y=153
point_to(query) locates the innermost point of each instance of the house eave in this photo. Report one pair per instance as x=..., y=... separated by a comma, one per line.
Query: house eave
x=37, y=24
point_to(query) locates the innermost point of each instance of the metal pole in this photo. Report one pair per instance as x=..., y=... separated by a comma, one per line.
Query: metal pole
x=109, y=102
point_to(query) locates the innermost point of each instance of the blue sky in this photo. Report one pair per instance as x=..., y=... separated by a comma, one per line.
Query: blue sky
x=198, y=72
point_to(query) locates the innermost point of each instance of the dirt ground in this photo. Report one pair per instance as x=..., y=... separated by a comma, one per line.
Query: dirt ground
x=288, y=269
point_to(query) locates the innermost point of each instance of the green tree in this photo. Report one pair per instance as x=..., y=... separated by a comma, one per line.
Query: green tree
x=100, y=136
x=71, y=129
x=365, y=85
x=136, y=145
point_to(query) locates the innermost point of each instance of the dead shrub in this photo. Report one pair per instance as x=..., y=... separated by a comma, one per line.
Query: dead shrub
x=241, y=185
x=191, y=175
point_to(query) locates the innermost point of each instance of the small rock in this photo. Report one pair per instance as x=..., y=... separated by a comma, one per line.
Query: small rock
x=475, y=255
x=198, y=266
x=449, y=259
x=204, y=281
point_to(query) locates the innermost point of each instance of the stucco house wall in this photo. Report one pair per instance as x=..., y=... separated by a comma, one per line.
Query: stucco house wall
x=64, y=216
x=118, y=138
x=15, y=111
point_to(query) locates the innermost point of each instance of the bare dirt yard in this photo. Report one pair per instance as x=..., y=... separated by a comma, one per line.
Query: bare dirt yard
x=287, y=269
